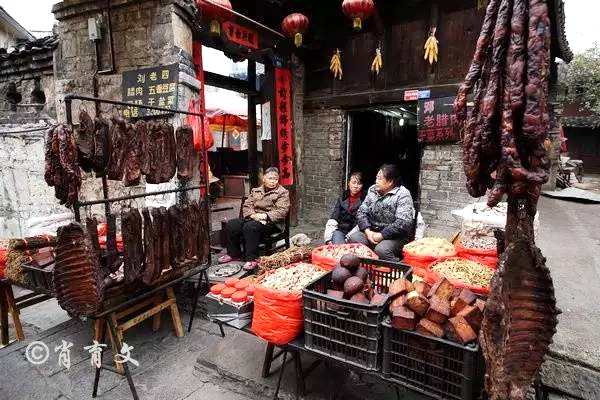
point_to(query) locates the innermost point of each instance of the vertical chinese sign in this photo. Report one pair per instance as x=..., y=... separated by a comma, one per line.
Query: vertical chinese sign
x=156, y=87
x=437, y=121
x=283, y=107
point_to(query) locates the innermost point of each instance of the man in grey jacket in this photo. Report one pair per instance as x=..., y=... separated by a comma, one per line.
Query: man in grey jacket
x=386, y=216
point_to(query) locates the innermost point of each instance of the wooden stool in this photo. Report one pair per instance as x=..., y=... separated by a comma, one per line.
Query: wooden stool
x=9, y=305
x=130, y=317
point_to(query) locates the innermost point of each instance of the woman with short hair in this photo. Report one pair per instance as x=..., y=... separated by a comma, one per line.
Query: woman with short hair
x=343, y=217
x=264, y=213
x=386, y=216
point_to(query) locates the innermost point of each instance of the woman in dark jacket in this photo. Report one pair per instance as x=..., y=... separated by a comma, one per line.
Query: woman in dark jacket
x=385, y=218
x=343, y=217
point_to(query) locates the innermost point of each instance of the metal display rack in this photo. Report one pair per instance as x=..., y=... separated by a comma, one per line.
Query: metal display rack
x=138, y=298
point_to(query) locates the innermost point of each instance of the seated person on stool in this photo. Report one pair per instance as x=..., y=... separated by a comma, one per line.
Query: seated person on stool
x=343, y=217
x=264, y=213
x=385, y=218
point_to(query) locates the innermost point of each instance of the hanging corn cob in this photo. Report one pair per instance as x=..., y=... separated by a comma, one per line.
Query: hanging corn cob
x=377, y=63
x=431, y=47
x=335, y=65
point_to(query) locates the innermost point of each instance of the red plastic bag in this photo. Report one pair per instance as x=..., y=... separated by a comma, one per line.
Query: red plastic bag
x=102, y=242
x=434, y=276
x=327, y=256
x=3, y=256
x=278, y=315
x=487, y=257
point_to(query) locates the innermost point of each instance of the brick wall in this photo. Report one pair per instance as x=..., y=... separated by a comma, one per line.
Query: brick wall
x=322, y=162
x=442, y=182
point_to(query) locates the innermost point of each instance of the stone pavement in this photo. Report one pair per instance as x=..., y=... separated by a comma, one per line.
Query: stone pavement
x=202, y=365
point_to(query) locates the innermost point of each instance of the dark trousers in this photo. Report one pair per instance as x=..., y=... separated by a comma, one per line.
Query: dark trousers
x=389, y=249
x=248, y=232
x=338, y=237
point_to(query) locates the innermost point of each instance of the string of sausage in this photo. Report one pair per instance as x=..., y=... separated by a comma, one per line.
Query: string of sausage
x=509, y=122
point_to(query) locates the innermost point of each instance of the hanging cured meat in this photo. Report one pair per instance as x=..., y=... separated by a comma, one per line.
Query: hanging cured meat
x=169, y=167
x=150, y=264
x=118, y=133
x=142, y=130
x=131, y=226
x=185, y=153
x=85, y=140
x=77, y=275
x=131, y=157
x=62, y=164
x=504, y=136
x=102, y=148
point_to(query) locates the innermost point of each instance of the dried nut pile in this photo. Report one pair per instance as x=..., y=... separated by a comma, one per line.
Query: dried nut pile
x=430, y=247
x=479, y=242
x=466, y=271
x=293, y=278
x=335, y=252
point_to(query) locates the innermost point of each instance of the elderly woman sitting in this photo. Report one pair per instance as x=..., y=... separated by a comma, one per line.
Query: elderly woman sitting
x=385, y=218
x=264, y=212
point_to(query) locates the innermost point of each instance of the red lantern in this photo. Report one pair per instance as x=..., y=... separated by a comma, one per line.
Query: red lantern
x=358, y=10
x=294, y=25
x=212, y=11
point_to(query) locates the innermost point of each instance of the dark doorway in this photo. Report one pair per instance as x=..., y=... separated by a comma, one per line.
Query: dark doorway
x=385, y=135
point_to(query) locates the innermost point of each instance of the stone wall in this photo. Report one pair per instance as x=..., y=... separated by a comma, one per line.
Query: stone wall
x=145, y=34
x=442, y=183
x=324, y=137
x=23, y=193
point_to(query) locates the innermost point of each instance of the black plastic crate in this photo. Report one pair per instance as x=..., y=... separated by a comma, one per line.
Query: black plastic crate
x=438, y=368
x=345, y=330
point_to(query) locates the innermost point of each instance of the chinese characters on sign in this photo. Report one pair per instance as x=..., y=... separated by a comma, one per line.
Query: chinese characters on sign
x=437, y=121
x=283, y=107
x=155, y=87
x=241, y=35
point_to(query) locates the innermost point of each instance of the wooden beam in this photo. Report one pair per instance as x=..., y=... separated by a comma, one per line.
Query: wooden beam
x=360, y=99
x=252, y=144
x=226, y=82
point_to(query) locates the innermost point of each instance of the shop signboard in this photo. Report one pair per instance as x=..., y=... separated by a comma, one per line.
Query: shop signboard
x=283, y=113
x=437, y=122
x=241, y=35
x=411, y=95
x=156, y=86
x=424, y=94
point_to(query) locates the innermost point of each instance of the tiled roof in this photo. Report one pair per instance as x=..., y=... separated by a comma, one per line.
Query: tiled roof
x=562, y=44
x=32, y=46
x=29, y=57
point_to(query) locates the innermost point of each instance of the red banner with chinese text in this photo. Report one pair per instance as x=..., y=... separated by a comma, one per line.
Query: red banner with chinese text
x=285, y=135
x=241, y=35
x=437, y=122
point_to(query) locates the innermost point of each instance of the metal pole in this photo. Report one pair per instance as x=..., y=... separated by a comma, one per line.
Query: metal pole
x=70, y=97
x=136, y=196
